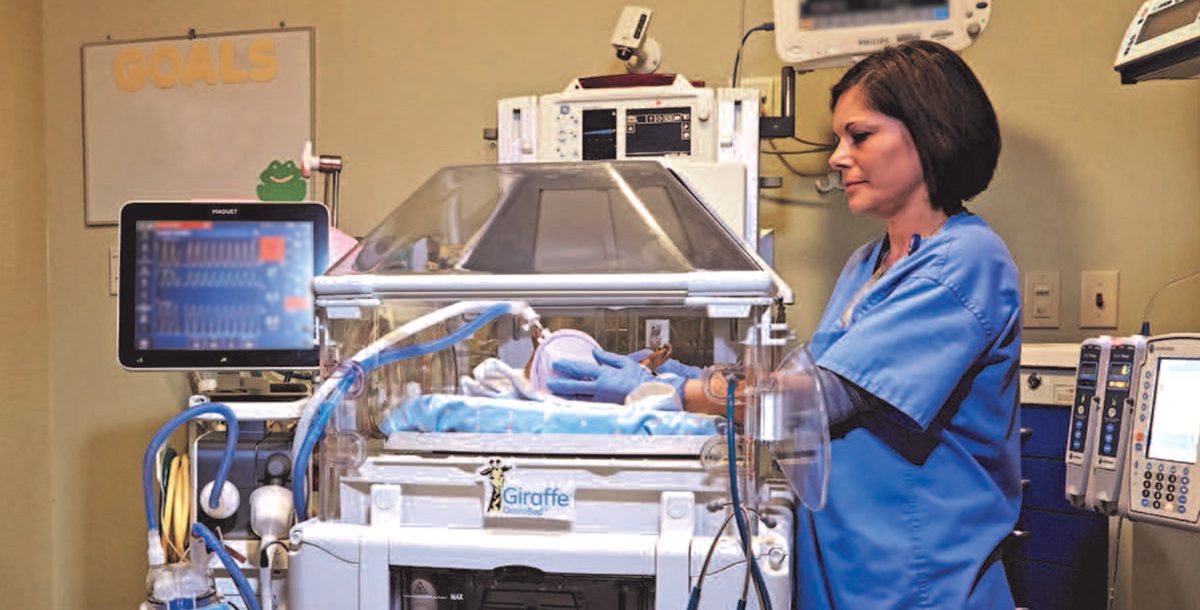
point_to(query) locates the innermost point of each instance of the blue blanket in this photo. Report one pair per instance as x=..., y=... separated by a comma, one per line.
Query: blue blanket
x=455, y=413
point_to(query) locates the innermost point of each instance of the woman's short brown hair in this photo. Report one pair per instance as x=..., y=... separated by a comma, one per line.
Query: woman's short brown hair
x=930, y=89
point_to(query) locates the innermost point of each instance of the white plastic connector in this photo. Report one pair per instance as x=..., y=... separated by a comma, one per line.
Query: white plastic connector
x=229, y=502
x=531, y=317
x=155, y=556
x=270, y=511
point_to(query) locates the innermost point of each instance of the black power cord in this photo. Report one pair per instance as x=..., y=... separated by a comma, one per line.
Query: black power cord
x=762, y=27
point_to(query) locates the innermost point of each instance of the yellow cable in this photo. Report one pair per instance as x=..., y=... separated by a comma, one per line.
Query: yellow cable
x=182, y=516
x=168, y=510
x=168, y=495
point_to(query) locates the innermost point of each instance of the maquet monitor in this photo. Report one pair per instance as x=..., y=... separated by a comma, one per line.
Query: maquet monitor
x=219, y=285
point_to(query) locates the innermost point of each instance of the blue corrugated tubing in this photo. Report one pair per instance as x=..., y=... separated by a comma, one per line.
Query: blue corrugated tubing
x=388, y=356
x=235, y=572
x=160, y=437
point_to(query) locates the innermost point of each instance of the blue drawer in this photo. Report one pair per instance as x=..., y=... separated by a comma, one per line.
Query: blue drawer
x=1080, y=541
x=1044, y=431
x=1047, y=482
x=1046, y=586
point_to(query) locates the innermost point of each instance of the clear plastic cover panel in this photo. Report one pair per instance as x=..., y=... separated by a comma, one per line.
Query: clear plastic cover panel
x=613, y=217
x=797, y=426
x=483, y=384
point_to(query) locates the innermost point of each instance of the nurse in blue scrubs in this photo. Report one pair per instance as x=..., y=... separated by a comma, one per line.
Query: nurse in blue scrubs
x=919, y=349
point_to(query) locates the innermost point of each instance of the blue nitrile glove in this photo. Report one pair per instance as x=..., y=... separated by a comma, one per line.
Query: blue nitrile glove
x=609, y=379
x=671, y=366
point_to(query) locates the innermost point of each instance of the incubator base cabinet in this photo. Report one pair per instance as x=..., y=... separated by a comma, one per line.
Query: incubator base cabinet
x=1056, y=558
x=618, y=531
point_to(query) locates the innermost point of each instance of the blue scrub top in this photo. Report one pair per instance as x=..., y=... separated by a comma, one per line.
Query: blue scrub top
x=920, y=496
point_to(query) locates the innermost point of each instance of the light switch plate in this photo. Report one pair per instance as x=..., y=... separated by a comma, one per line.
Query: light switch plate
x=1041, y=299
x=1098, y=299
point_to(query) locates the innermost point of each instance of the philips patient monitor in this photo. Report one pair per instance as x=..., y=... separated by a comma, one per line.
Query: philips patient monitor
x=219, y=285
x=814, y=34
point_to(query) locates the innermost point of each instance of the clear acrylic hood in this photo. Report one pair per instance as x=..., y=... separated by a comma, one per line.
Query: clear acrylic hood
x=625, y=227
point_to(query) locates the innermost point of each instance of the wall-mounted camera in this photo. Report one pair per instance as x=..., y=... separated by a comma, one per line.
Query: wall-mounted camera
x=641, y=54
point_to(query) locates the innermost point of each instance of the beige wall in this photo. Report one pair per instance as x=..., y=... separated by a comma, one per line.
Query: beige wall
x=25, y=523
x=1093, y=176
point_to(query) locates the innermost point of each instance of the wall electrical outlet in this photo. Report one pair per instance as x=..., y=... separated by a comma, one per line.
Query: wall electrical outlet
x=1098, y=299
x=1041, y=299
x=768, y=92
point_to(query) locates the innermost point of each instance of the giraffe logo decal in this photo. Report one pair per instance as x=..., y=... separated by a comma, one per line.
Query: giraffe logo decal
x=526, y=494
x=494, y=471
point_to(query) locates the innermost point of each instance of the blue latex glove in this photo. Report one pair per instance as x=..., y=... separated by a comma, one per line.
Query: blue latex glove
x=671, y=366
x=609, y=379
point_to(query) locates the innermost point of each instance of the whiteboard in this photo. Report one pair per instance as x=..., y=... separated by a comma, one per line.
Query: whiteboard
x=207, y=117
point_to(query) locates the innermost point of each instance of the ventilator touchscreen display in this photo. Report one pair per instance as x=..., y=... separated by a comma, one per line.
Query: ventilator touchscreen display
x=224, y=285
x=1175, y=427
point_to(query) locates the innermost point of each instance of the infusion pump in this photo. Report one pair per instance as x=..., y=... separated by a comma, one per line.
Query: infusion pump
x=1133, y=446
x=1165, y=435
x=831, y=33
x=1089, y=375
x=1112, y=425
x=1098, y=436
x=708, y=137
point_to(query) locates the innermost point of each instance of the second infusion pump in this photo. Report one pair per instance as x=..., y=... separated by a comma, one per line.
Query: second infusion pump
x=1098, y=437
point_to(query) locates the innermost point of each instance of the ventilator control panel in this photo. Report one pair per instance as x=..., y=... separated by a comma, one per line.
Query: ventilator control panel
x=1166, y=434
x=219, y=285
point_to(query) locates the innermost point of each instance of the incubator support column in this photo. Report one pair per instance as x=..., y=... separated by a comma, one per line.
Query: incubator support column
x=677, y=526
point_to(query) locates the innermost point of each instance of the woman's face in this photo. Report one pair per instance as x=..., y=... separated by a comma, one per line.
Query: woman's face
x=877, y=158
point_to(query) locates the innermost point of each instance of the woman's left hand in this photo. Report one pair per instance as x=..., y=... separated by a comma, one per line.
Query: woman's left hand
x=610, y=379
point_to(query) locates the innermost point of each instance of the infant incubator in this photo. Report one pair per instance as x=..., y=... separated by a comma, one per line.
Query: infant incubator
x=447, y=476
